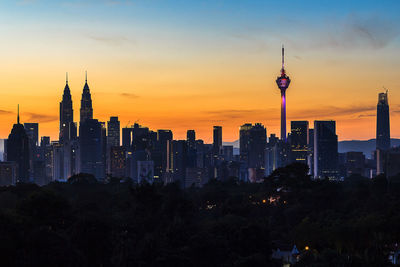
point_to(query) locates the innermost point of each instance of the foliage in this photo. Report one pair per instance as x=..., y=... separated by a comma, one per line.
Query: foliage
x=225, y=223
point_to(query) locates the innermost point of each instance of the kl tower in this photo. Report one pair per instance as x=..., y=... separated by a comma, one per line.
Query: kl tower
x=283, y=82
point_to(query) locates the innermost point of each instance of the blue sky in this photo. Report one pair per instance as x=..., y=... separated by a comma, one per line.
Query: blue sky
x=226, y=53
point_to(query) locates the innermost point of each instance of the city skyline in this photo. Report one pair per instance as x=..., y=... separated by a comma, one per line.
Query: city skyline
x=173, y=77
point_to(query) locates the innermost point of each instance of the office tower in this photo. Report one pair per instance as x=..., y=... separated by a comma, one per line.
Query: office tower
x=283, y=82
x=217, y=141
x=18, y=150
x=113, y=132
x=310, y=159
x=191, y=139
x=299, y=140
x=191, y=144
x=86, y=103
x=58, y=162
x=117, y=161
x=141, y=137
x=196, y=177
x=244, y=139
x=8, y=173
x=165, y=138
x=67, y=126
x=179, y=151
x=46, y=154
x=325, y=150
x=32, y=130
x=355, y=163
x=391, y=162
x=253, y=140
x=145, y=171
x=127, y=137
x=91, y=146
x=200, y=154
x=382, y=122
x=227, y=153
x=271, y=154
x=3, y=153
x=257, y=144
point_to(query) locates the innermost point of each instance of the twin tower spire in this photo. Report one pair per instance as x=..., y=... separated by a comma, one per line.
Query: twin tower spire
x=66, y=109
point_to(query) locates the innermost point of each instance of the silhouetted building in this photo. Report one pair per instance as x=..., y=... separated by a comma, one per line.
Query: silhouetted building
x=141, y=139
x=299, y=141
x=382, y=123
x=325, y=150
x=191, y=139
x=196, y=177
x=8, y=173
x=86, y=111
x=253, y=143
x=127, y=137
x=355, y=163
x=113, y=132
x=45, y=152
x=391, y=162
x=257, y=144
x=217, y=141
x=91, y=145
x=32, y=130
x=244, y=142
x=117, y=161
x=163, y=158
x=18, y=151
x=67, y=126
x=283, y=82
x=179, y=149
x=227, y=153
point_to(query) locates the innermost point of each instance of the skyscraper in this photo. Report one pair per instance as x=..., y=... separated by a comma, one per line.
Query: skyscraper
x=127, y=138
x=32, y=130
x=382, y=122
x=217, y=140
x=325, y=150
x=253, y=142
x=86, y=103
x=283, y=82
x=113, y=132
x=18, y=150
x=67, y=126
x=91, y=148
x=257, y=145
x=244, y=141
x=299, y=141
x=191, y=139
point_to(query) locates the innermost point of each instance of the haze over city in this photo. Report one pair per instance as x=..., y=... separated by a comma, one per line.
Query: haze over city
x=190, y=65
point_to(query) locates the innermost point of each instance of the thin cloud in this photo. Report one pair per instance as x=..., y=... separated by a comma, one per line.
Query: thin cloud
x=37, y=117
x=354, y=32
x=129, y=95
x=111, y=40
x=5, y=112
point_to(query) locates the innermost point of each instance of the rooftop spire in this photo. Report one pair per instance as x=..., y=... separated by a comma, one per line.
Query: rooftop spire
x=66, y=77
x=86, y=76
x=283, y=57
x=18, y=114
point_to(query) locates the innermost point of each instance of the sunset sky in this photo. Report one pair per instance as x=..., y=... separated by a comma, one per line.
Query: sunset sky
x=193, y=64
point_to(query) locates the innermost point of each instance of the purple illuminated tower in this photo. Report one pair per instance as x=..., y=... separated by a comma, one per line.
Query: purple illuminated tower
x=283, y=82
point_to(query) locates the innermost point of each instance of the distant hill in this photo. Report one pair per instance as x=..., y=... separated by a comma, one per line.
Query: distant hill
x=365, y=146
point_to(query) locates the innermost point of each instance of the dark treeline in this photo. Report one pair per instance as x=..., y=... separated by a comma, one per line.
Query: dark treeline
x=86, y=223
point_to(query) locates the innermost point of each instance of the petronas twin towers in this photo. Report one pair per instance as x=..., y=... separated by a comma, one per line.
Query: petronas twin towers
x=67, y=126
